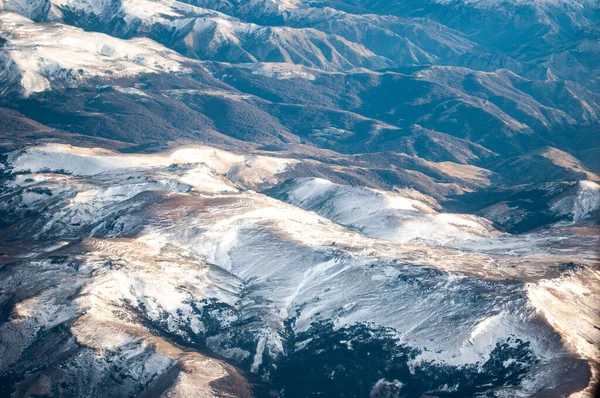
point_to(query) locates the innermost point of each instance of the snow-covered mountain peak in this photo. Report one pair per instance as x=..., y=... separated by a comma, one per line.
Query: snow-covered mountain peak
x=64, y=56
x=384, y=215
x=248, y=170
x=173, y=239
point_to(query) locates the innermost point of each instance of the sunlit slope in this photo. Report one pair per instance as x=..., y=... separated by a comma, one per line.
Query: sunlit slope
x=163, y=249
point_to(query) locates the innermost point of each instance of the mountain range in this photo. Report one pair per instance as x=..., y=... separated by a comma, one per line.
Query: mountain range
x=299, y=198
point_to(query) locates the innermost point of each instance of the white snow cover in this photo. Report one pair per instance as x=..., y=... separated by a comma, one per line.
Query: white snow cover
x=385, y=215
x=204, y=236
x=282, y=71
x=167, y=299
x=582, y=204
x=249, y=168
x=33, y=9
x=37, y=56
x=570, y=303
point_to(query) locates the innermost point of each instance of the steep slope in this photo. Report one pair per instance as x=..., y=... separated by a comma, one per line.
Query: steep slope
x=235, y=42
x=484, y=108
x=543, y=165
x=147, y=96
x=18, y=131
x=270, y=287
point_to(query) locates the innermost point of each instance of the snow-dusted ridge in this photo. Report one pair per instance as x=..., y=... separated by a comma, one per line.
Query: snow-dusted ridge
x=251, y=169
x=178, y=239
x=37, y=57
x=385, y=215
x=496, y=3
x=130, y=274
x=582, y=205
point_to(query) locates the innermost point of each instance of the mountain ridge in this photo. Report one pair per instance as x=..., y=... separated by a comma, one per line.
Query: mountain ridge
x=290, y=198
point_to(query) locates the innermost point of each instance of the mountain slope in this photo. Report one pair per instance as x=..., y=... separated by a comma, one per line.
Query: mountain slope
x=172, y=247
x=290, y=198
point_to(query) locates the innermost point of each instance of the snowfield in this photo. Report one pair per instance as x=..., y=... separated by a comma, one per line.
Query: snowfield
x=63, y=55
x=179, y=240
x=385, y=215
